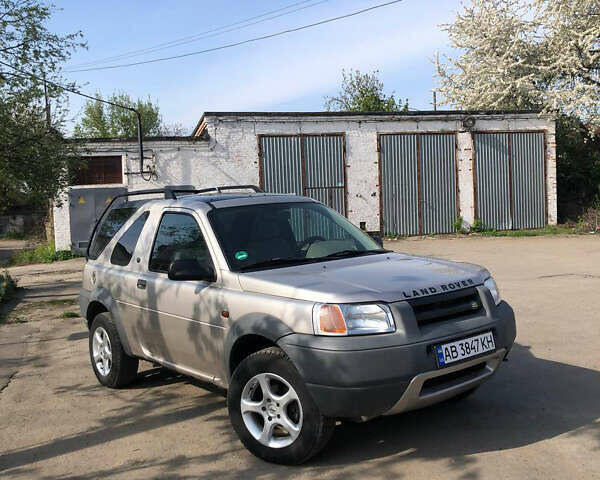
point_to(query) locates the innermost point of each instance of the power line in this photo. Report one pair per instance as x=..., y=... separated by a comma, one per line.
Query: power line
x=206, y=34
x=22, y=73
x=235, y=44
x=140, y=139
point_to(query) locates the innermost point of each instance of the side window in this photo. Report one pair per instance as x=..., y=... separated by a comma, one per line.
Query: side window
x=125, y=247
x=178, y=238
x=111, y=224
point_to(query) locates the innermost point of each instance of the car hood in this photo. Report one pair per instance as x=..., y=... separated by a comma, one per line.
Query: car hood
x=387, y=277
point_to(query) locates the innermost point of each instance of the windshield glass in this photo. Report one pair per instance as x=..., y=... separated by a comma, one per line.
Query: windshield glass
x=282, y=234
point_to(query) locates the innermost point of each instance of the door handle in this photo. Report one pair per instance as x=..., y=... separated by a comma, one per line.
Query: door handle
x=141, y=284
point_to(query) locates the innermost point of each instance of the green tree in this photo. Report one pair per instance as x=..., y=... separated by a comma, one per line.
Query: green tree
x=577, y=166
x=534, y=54
x=363, y=93
x=34, y=159
x=100, y=120
x=524, y=54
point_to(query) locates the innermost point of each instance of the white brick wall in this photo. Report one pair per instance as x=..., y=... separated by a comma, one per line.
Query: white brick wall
x=231, y=155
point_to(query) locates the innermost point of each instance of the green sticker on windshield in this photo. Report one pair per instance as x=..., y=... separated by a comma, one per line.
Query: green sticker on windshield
x=241, y=255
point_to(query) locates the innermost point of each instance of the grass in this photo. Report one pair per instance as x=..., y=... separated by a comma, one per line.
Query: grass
x=547, y=230
x=44, y=253
x=44, y=310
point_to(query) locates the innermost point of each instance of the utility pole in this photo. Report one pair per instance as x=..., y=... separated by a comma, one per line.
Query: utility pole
x=48, y=117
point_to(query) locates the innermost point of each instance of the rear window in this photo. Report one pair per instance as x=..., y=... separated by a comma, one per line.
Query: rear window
x=125, y=247
x=110, y=224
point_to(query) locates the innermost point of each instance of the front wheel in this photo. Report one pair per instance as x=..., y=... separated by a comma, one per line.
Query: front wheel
x=272, y=412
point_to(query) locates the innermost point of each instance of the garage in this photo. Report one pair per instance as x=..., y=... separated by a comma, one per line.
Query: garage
x=418, y=183
x=396, y=173
x=310, y=165
x=509, y=176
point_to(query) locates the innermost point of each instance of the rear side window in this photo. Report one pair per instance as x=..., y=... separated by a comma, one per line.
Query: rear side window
x=110, y=225
x=179, y=238
x=125, y=247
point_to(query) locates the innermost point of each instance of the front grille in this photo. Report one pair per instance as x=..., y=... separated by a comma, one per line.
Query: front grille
x=451, y=379
x=447, y=306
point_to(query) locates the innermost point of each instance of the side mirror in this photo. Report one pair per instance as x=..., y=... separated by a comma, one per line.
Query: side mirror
x=378, y=238
x=191, y=270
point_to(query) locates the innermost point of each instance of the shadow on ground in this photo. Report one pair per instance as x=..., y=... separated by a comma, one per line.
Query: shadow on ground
x=529, y=400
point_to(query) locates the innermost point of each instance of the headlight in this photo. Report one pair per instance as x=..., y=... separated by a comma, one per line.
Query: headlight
x=332, y=319
x=490, y=284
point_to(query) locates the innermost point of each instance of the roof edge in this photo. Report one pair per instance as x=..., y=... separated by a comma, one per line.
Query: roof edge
x=201, y=125
x=189, y=138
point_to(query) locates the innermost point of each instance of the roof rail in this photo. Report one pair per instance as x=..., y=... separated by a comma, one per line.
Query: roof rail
x=218, y=189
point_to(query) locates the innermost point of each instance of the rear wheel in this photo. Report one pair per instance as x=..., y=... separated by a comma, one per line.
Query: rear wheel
x=112, y=366
x=272, y=411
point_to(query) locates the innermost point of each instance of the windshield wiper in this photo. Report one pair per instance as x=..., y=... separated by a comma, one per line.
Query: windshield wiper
x=277, y=262
x=355, y=253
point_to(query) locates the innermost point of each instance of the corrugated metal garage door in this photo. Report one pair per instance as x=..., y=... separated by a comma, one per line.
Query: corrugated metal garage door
x=399, y=184
x=311, y=165
x=509, y=178
x=438, y=183
x=492, y=180
x=418, y=183
x=528, y=178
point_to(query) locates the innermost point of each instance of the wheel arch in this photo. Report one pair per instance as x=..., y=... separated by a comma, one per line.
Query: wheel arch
x=101, y=301
x=249, y=335
x=94, y=308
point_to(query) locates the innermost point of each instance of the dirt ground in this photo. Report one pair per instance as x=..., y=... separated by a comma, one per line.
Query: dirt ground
x=539, y=417
x=8, y=247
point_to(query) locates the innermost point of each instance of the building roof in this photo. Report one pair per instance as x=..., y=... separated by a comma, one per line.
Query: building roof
x=190, y=138
x=410, y=113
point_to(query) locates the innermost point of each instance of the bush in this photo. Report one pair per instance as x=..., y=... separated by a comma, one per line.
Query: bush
x=459, y=225
x=7, y=286
x=479, y=227
x=590, y=221
x=44, y=253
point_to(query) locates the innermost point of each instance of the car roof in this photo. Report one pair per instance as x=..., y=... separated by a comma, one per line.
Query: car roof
x=223, y=200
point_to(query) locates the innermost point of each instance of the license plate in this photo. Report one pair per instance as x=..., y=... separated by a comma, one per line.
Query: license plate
x=465, y=348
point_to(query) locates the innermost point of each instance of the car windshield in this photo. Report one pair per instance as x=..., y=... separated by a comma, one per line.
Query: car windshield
x=276, y=235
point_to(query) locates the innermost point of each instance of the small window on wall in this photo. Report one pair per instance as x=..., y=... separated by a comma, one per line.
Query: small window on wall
x=99, y=170
x=125, y=247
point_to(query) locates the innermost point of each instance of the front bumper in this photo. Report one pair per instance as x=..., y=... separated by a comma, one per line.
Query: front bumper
x=347, y=381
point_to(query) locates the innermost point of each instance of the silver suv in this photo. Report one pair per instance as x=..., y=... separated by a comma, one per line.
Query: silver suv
x=301, y=316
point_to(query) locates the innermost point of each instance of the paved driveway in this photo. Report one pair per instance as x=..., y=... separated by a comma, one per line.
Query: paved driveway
x=538, y=418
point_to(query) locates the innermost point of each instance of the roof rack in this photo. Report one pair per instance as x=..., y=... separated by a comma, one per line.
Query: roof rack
x=169, y=193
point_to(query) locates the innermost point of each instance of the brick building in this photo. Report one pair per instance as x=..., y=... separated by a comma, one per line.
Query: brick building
x=405, y=173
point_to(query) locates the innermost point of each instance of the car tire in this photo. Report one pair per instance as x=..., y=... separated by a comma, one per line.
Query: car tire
x=287, y=400
x=112, y=366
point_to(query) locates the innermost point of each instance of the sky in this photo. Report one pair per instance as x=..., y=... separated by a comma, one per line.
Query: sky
x=293, y=72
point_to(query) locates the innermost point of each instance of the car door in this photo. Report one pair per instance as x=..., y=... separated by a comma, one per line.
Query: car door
x=181, y=321
x=120, y=277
